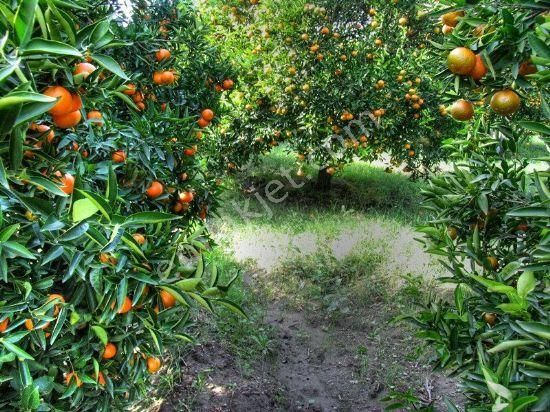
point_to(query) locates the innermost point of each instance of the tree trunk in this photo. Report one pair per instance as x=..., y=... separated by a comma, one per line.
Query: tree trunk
x=324, y=180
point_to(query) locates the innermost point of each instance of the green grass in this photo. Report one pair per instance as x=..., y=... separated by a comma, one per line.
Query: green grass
x=360, y=187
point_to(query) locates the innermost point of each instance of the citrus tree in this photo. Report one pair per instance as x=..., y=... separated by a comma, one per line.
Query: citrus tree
x=102, y=198
x=491, y=212
x=335, y=81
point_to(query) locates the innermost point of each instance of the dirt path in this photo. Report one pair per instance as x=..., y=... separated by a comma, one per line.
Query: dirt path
x=318, y=365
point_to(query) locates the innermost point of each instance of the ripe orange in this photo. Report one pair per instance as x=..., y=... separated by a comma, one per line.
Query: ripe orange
x=228, y=84
x=167, y=299
x=68, y=120
x=527, y=68
x=451, y=19
x=45, y=130
x=155, y=190
x=330, y=170
x=55, y=296
x=186, y=197
x=461, y=61
x=479, y=71
x=110, y=351
x=100, y=378
x=126, y=306
x=77, y=102
x=190, y=151
x=490, y=318
x=64, y=102
x=139, y=238
x=137, y=97
x=162, y=54
x=505, y=102
x=153, y=364
x=167, y=77
x=118, y=157
x=325, y=31
x=106, y=258
x=452, y=232
x=29, y=325
x=202, y=122
x=96, y=116
x=493, y=262
x=157, y=77
x=73, y=376
x=4, y=325
x=462, y=110
x=140, y=106
x=85, y=69
x=130, y=89
x=67, y=183
x=207, y=115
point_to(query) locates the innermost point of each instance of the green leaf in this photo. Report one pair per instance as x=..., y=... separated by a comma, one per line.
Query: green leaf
x=535, y=126
x=43, y=46
x=101, y=334
x=526, y=284
x=16, y=149
x=483, y=203
x=536, y=328
x=232, y=306
x=15, y=98
x=110, y=64
x=145, y=218
x=132, y=244
x=18, y=249
x=500, y=390
x=7, y=232
x=100, y=203
x=30, y=398
x=58, y=325
x=53, y=254
x=16, y=350
x=188, y=285
x=126, y=99
x=175, y=294
x=538, y=46
x=510, y=344
x=112, y=186
x=531, y=211
x=75, y=232
x=24, y=20
x=46, y=184
x=83, y=209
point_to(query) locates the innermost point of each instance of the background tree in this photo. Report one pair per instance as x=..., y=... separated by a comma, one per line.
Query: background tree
x=334, y=81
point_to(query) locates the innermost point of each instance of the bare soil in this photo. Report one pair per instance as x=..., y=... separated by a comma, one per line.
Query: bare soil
x=319, y=364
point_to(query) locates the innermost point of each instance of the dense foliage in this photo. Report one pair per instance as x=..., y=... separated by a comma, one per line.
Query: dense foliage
x=336, y=81
x=102, y=197
x=491, y=212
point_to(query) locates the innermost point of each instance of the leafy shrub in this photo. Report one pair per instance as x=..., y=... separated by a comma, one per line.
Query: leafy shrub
x=100, y=219
x=490, y=214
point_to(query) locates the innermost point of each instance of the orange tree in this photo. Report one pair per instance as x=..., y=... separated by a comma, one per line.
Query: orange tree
x=491, y=212
x=102, y=198
x=336, y=81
